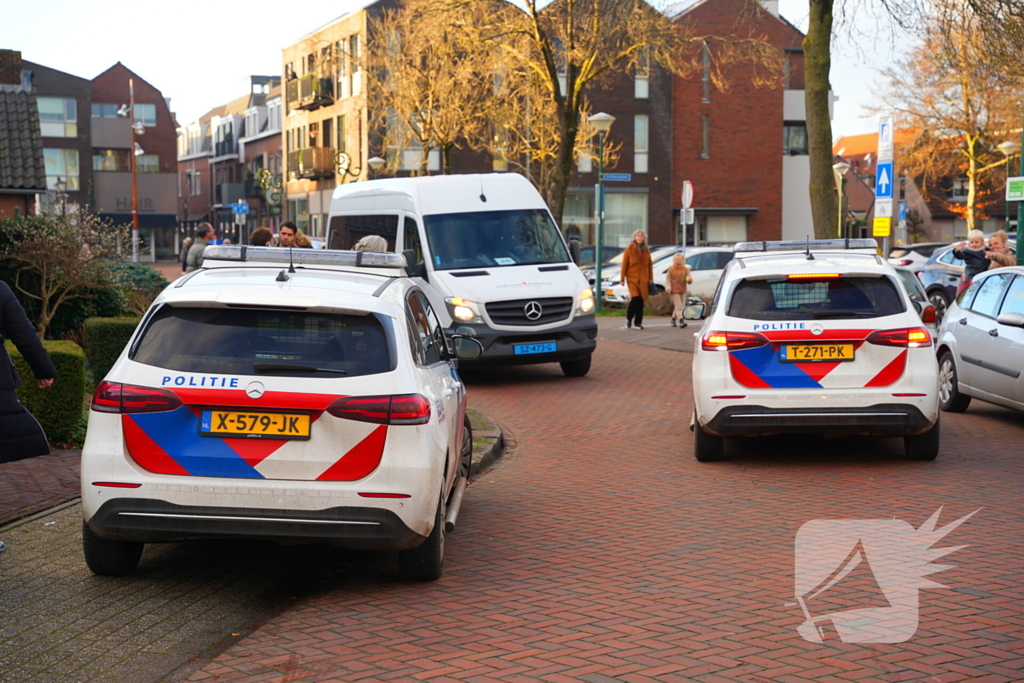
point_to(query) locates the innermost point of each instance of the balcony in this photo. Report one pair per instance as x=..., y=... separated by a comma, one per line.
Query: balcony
x=225, y=148
x=311, y=163
x=312, y=91
x=228, y=193
x=253, y=189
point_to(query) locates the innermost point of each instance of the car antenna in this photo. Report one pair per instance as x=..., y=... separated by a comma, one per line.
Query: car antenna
x=810, y=256
x=291, y=264
x=483, y=197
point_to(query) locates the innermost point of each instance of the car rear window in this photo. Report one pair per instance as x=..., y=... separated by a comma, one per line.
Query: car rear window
x=253, y=341
x=827, y=298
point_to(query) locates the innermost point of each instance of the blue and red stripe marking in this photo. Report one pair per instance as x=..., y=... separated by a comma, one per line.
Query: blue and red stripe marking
x=170, y=443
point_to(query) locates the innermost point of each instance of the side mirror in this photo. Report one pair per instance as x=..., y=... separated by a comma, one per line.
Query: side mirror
x=574, y=251
x=413, y=269
x=1011, y=319
x=694, y=311
x=467, y=348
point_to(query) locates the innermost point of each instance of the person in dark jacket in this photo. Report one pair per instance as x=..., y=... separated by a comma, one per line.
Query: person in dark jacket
x=186, y=244
x=20, y=433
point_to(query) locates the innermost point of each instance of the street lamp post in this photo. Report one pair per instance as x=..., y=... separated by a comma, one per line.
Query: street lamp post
x=137, y=129
x=1020, y=204
x=602, y=123
x=1008, y=149
x=375, y=163
x=840, y=168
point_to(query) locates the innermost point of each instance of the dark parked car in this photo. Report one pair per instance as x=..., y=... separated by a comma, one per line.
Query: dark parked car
x=940, y=277
x=587, y=254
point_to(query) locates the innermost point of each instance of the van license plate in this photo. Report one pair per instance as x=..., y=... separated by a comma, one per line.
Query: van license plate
x=811, y=353
x=249, y=425
x=523, y=349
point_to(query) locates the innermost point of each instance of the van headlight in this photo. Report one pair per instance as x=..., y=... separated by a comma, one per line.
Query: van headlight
x=585, y=302
x=464, y=310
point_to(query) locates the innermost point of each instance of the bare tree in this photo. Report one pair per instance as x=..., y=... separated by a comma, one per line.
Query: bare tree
x=960, y=99
x=65, y=256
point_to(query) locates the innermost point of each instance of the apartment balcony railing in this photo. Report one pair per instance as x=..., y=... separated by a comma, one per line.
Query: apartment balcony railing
x=312, y=91
x=227, y=193
x=311, y=162
x=225, y=148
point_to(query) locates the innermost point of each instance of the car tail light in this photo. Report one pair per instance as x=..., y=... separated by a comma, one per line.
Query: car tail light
x=928, y=314
x=904, y=262
x=113, y=397
x=732, y=341
x=911, y=337
x=812, y=276
x=407, y=409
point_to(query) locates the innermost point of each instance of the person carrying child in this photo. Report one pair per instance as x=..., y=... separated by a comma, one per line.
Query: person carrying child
x=972, y=253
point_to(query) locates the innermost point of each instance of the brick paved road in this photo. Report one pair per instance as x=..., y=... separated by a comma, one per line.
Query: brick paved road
x=34, y=484
x=600, y=550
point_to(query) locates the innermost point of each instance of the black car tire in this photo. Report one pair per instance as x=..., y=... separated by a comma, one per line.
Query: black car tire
x=950, y=398
x=923, y=446
x=576, y=368
x=940, y=301
x=707, y=447
x=110, y=558
x=426, y=561
x=466, y=449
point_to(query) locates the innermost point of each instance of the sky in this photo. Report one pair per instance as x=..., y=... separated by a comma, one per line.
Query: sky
x=199, y=53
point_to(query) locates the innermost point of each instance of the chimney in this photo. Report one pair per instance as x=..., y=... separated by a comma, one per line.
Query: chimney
x=10, y=67
x=771, y=6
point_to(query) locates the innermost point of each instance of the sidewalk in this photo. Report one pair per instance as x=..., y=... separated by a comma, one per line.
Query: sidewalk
x=657, y=332
x=34, y=484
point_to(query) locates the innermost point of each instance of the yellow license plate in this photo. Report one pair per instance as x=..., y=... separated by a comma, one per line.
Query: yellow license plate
x=609, y=292
x=810, y=353
x=253, y=425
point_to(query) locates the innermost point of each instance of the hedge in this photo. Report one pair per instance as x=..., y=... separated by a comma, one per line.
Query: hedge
x=58, y=408
x=105, y=339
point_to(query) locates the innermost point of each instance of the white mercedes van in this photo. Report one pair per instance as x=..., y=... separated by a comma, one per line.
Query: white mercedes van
x=486, y=251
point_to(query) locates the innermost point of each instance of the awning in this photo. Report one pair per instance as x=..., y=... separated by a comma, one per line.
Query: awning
x=146, y=220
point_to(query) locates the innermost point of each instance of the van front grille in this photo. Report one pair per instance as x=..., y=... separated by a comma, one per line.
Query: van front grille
x=514, y=312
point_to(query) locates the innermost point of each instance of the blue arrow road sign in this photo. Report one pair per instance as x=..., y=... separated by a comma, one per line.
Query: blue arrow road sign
x=883, y=181
x=240, y=208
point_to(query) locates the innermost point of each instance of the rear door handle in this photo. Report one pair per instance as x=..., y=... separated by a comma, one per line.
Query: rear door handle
x=993, y=333
x=962, y=321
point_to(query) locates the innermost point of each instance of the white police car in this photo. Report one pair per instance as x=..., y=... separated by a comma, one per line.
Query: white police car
x=815, y=337
x=317, y=401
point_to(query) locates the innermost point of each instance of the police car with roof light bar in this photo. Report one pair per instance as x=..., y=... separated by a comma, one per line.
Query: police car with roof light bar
x=812, y=337
x=292, y=395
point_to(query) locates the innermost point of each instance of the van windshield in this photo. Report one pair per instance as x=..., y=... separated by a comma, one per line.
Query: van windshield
x=489, y=239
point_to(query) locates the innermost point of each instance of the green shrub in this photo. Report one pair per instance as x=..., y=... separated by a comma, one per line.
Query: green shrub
x=105, y=338
x=59, y=408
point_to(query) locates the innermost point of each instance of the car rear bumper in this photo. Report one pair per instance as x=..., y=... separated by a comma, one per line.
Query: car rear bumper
x=150, y=520
x=576, y=339
x=883, y=419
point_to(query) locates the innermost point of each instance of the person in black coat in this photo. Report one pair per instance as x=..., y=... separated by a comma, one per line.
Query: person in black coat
x=21, y=436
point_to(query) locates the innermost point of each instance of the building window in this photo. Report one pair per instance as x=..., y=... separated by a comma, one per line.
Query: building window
x=61, y=164
x=252, y=123
x=705, y=78
x=640, y=143
x=314, y=134
x=104, y=160
x=102, y=110
x=794, y=139
x=274, y=115
x=326, y=142
x=958, y=190
x=58, y=117
x=623, y=215
x=641, y=82
x=499, y=161
x=147, y=163
x=705, y=136
x=585, y=160
x=145, y=114
x=341, y=133
x=725, y=229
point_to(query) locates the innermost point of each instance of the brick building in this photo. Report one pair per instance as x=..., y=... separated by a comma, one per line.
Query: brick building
x=744, y=149
x=22, y=171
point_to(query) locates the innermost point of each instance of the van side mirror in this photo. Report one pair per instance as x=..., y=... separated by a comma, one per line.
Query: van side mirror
x=574, y=250
x=695, y=311
x=413, y=269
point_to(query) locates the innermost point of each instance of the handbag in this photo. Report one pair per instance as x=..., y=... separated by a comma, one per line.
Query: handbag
x=652, y=289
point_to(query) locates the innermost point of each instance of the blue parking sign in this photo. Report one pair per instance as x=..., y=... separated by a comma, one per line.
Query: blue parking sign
x=883, y=181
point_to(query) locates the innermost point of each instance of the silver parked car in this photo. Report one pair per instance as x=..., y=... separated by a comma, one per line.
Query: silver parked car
x=981, y=343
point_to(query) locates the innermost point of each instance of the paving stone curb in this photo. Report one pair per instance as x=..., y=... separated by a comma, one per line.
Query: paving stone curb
x=488, y=441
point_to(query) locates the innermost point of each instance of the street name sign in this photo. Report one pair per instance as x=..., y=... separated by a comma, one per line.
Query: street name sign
x=1015, y=189
x=240, y=208
x=620, y=177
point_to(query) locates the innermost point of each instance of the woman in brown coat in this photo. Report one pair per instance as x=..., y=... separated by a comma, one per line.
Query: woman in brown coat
x=638, y=272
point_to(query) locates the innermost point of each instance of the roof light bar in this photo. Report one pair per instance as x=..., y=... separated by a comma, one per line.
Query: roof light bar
x=308, y=257
x=803, y=245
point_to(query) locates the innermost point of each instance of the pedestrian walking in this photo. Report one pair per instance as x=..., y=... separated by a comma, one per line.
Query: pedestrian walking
x=186, y=244
x=638, y=273
x=204, y=235
x=261, y=237
x=676, y=279
x=21, y=436
x=999, y=254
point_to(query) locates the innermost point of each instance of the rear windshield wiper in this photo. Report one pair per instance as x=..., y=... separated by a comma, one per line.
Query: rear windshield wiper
x=842, y=314
x=292, y=367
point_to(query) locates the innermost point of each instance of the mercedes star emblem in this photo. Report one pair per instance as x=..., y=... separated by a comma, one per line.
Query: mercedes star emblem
x=255, y=389
x=532, y=310
x=817, y=329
